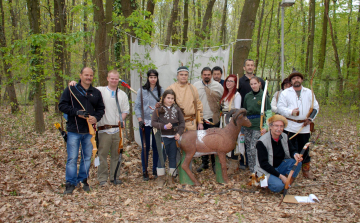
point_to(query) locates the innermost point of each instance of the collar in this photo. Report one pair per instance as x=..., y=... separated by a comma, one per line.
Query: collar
x=280, y=137
x=206, y=84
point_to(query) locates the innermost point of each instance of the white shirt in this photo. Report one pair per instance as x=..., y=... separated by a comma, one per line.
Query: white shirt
x=289, y=100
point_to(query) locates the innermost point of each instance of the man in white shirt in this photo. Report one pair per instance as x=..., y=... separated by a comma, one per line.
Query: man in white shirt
x=210, y=93
x=295, y=104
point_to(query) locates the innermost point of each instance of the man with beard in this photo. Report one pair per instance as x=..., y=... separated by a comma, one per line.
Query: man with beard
x=210, y=93
x=217, y=74
x=295, y=103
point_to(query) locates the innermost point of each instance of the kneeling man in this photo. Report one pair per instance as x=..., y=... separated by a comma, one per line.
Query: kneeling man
x=276, y=155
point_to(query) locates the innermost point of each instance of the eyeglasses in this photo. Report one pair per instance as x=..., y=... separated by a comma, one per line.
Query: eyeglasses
x=278, y=126
x=231, y=81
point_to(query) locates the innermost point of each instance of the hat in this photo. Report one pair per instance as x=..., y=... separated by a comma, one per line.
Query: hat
x=295, y=73
x=182, y=68
x=285, y=81
x=275, y=118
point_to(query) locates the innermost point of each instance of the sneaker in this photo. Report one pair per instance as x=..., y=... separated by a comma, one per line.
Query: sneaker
x=145, y=176
x=86, y=186
x=103, y=183
x=155, y=174
x=160, y=181
x=69, y=188
x=116, y=182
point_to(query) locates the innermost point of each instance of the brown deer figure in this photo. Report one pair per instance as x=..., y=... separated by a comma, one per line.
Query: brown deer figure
x=213, y=141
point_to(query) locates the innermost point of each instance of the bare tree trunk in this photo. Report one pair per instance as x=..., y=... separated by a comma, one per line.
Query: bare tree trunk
x=267, y=41
x=207, y=19
x=348, y=57
x=245, y=31
x=186, y=25
x=174, y=15
x=175, y=33
x=322, y=51
x=303, y=37
x=150, y=7
x=36, y=70
x=198, y=7
x=258, y=40
x=278, y=69
x=358, y=62
x=337, y=60
x=222, y=37
x=109, y=35
x=311, y=39
x=86, y=39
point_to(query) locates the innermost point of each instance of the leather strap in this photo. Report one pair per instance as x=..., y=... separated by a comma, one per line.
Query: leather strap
x=107, y=127
x=297, y=121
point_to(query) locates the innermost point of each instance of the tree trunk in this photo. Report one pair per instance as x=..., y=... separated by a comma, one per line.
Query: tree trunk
x=245, y=31
x=278, y=69
x=311, y=39
x=258, y=39
x=86, y=39
x=207, y=19
x=303, y=37
x=150, y=7
x=222, y=37
x=109, y=35
x=186, y=25
x=36, y=69
x=100, y=41
x=173, y=16
x=267, y=41
x=10, y=89
x=322, y=51
x=348, y=57
x=358, y=62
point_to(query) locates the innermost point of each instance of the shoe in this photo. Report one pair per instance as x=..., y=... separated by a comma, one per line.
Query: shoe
x=155, y=174
x=103, y=183
x=241, y=167
x=145, y=176
x=307, y=172
x=69, y=188
x=170, y=181
x=116, y=182
x=86, y=186
x=202, y=167
x=160, y=181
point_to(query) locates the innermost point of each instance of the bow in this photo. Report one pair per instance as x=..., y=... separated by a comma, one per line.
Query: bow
x=124, y=84
x=90, y=126
x=61, y=130
x=312, y=104
x=121, y=142
x=262, y=111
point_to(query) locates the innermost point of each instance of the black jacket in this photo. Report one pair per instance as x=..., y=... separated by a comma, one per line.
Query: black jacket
x=244, y=87
x=91, y=99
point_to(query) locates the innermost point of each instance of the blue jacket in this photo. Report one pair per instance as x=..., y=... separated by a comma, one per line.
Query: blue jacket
x=148, y=100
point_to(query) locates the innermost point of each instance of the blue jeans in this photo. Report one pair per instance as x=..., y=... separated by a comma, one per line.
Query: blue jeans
x=169, y=151
x=148, y=132
x=72, y=146
x=275, y=184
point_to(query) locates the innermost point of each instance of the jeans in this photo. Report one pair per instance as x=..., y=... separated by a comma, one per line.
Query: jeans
x=275, y=184
x=170, y=151
x=72, y=146
x=148, y=132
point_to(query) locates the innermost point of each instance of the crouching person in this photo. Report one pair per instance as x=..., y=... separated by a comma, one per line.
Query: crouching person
x=276, y=155
x=169, y=119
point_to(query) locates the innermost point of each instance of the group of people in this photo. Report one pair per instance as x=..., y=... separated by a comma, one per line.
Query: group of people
x=166, y=114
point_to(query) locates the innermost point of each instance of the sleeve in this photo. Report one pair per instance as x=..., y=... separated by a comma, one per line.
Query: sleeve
x=245, y=99
x=137, y=106
x=154, y=121
x=65, y=103
x=100, y=108
x=181, y=122
x=274, y=102
x=237, y=101
x=125, y=107
x=282, y=105
x=316, y=106
x=263, y=159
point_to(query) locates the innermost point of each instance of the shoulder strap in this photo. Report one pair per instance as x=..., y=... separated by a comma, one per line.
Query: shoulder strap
x=195, y=100
x=156, y=98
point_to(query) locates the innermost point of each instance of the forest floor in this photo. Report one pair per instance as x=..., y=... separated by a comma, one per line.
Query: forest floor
x=32, y=170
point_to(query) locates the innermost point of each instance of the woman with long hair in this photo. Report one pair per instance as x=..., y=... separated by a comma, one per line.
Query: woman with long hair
x=152, y=92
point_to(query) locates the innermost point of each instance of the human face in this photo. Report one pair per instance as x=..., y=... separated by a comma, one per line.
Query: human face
x=249, y=67
x=230, y=83
x=206, y=76
x=296, y=81
x=255, y=85
x=217, y=75
x=287, y=85
x=113, y=80
x=182, y=77
x=153, y=79
x=276, y=128
x=169, y=100
x=87, y=77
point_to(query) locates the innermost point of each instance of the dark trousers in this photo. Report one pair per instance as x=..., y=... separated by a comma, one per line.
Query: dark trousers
x=148, y=133
x=205, y=159
x=299, y=142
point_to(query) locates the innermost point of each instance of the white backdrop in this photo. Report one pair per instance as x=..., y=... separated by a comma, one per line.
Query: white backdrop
x=166, y=63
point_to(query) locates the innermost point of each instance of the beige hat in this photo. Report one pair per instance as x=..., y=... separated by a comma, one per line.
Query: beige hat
x=275, y=118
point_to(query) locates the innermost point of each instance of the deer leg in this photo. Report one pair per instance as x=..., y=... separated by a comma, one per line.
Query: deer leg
x=185, y=166
x=222, y=159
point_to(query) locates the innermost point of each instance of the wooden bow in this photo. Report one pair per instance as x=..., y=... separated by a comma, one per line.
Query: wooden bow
x=312, y=104
x=90, y=126
x=262, y=111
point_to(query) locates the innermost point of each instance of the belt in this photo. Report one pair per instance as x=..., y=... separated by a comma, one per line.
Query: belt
x=107, y=127
x=297, y=121
x=189, y=118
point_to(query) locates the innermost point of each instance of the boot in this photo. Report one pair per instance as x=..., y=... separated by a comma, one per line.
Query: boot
x=307, y=172
x=232, y=166
x=86, y=186
x=69, y=188
x=160, y=181
x=202, y=167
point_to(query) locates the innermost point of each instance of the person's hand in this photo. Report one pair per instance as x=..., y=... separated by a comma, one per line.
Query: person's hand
x=263, y=131
x=123, y=124
x=295, y=112
x=72, y=83
x=283, y=178
x=307, y=122
x=168, y=126
x=92, y=120
x=200, y=126
x=141, y=124
x=157, y=105
x=82, y=113
x=177, y=136
x=298, y=157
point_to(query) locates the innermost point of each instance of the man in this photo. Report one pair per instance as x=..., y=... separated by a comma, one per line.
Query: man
x=77, y=127
x=210, y=93
x=276, y=155
x=295, y=103
x=217, y=74
x=187, y=97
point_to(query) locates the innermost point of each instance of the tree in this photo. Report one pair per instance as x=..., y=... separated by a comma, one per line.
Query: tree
x=222, y=35
x=186, y=25
x=245, y=31
x=174, y=15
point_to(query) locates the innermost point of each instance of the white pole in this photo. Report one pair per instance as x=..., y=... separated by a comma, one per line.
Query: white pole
x=282, y=42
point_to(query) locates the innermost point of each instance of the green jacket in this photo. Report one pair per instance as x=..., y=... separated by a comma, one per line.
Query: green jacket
x=252, y=103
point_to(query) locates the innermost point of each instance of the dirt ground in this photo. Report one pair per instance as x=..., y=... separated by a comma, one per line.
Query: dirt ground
x=32, y=170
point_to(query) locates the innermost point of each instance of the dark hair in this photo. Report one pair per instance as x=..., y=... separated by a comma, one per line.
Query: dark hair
x=226, y=91
x=82, y=70
x=217, y=68
x=248, y=60
x=147, y=84
x=206, y=69
x=172, y=92
x=285, y=81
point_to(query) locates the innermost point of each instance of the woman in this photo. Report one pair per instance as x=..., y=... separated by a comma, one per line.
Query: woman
x=231, y=99
x=252, y=103
x=151, y=92
x=285, y=84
